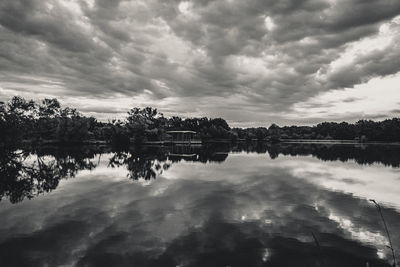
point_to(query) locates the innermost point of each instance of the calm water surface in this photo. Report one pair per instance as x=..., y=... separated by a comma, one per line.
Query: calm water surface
x=281, y=205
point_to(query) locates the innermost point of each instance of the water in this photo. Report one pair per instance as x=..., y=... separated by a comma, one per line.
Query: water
x=260, y=205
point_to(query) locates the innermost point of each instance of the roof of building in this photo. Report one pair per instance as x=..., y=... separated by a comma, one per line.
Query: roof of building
x=181, y=132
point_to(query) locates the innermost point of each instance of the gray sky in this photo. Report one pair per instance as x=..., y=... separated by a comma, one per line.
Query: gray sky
x=251, y=62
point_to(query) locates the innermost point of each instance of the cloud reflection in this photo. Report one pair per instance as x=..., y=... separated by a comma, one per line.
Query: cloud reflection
x=226, y=214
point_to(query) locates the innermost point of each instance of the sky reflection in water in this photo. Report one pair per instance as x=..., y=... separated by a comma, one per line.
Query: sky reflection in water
x=241, y=209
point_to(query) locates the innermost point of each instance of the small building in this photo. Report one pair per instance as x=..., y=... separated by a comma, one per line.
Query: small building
x=185, y=137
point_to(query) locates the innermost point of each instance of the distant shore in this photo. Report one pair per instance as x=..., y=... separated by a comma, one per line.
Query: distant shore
x=46, y=122
x=220, y=141
x=349, y=142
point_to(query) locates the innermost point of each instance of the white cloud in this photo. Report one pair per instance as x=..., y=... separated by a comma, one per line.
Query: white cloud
x=377, y=96
x=269, y=23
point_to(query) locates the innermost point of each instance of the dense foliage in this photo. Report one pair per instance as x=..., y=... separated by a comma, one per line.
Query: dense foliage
x=27, y=121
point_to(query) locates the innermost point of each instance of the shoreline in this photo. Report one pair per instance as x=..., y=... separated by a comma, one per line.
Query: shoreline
x=200, y=143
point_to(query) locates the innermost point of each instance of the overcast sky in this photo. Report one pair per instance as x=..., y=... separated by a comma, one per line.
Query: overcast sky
x=251, y=62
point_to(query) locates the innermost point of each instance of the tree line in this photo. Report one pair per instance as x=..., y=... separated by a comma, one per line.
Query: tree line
x=24, y=120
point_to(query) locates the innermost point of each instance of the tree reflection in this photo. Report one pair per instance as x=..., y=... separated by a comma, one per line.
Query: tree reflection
x=140, y=164
x=26, y=175
x=389, y=155
x=29, y=173
x=150, y=162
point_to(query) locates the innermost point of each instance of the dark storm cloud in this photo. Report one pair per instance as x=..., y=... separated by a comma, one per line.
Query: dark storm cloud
x=53, y=26
x=351, y=99
x=380, y=63
x=271, y=54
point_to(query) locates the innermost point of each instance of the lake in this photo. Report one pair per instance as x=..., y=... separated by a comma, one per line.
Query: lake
x=217, y=205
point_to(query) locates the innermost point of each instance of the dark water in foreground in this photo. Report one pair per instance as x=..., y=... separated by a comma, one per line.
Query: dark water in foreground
x=213, y=206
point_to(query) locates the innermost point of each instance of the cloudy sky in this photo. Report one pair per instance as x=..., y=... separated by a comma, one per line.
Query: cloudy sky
x=252, y=62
